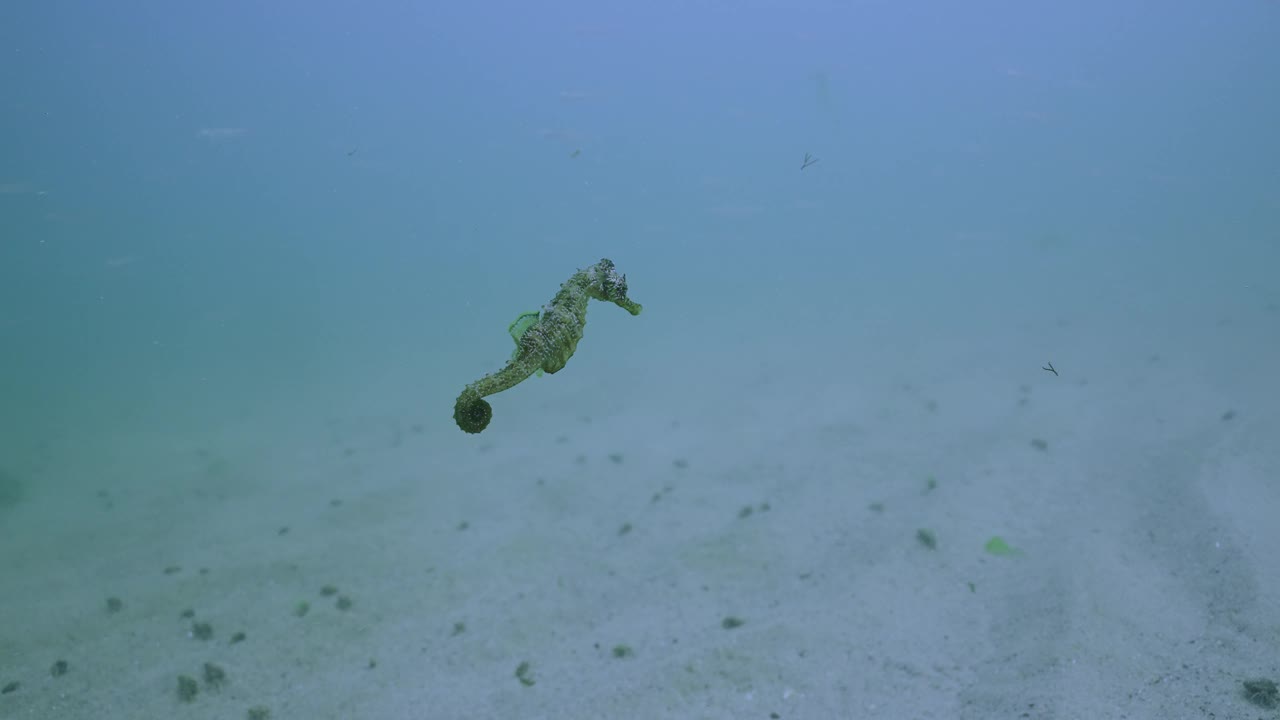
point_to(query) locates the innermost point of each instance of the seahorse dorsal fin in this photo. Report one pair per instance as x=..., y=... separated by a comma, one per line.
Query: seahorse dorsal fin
x=522, y=323
x=519, y=327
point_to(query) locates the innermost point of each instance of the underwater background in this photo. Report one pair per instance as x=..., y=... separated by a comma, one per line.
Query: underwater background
x=916, y=276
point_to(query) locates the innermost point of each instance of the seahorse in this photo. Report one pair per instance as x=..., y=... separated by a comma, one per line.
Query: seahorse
x=545, y=340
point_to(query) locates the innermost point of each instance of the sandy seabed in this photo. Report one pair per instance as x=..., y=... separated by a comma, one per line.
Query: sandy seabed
x=748, y=547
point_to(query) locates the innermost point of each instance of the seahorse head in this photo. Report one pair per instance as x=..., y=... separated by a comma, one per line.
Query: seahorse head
x=608, y=285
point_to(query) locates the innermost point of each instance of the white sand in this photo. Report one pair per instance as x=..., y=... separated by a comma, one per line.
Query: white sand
x=1146, y=586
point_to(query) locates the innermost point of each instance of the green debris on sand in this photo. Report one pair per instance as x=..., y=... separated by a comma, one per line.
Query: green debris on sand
x=997, y=546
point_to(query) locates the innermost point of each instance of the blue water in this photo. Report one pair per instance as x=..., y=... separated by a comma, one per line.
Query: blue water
x=228, y=193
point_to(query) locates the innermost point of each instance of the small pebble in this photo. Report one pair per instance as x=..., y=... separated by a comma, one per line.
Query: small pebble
x=114, y=604
x=188, y=688
x=344, y=603
x=59, y=668
x=523, y=674
x=1262, y=692
x=10, y=687
x=214, y=676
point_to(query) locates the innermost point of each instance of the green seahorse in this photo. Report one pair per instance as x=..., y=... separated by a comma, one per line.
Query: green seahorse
x=545, y=340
